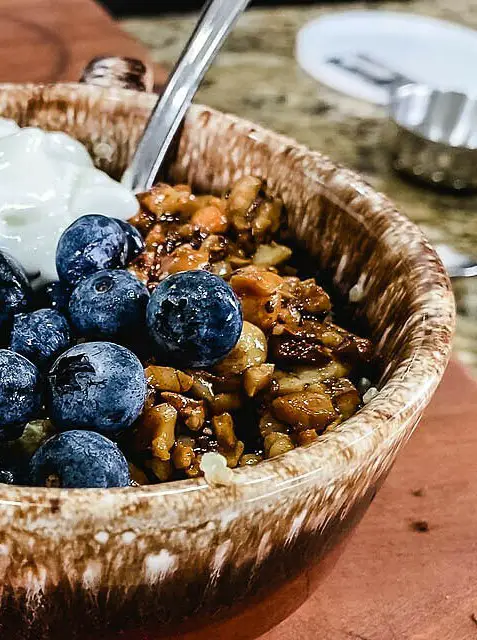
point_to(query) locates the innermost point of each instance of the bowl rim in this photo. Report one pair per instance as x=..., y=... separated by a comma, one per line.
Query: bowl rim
x=374, y=431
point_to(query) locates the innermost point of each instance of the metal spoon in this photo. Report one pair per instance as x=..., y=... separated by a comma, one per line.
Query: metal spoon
x=215, y=23
x=458, y=265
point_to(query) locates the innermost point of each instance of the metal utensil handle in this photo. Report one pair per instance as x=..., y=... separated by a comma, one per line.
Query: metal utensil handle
x=215, y=23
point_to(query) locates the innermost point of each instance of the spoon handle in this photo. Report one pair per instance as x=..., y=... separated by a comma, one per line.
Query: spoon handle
x=215, y=23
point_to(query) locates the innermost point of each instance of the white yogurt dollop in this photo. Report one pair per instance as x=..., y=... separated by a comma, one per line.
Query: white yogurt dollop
x=47, y=180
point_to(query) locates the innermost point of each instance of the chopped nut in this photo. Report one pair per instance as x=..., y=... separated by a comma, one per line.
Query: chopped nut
x=182, y=456
x=184, y=258
x=250, y=460
x=270, y=424
x=241, y=201
x=137, y=475
x=312, y=298
x=255, y=281
x=194, y=470
x=156, y=236
x=34, y=435
x=269, y=255
x=165, y=199
x=262, y=311
x=256, y=378
x=345, y=397
x=223, y=402
x=168, y=379
x=210, y=219
x=219, y=383
x=277, y=443
x=162, y=422
x=224, y=430
x=191, y=411
x=162, y=469
x=157, y=422
x=259, y=291
x=186, y=441
x=306, y=437
x=216, y=247
x=267, y=220
x=307, y=410
x=202, y=388
x=229, y=445
x=250, y=350
x=150, y=399
x=196, y=203
x=301, y=378
x=239, y=261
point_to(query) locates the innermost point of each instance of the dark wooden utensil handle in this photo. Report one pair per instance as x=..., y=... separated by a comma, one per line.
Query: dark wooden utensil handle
x=121, y=72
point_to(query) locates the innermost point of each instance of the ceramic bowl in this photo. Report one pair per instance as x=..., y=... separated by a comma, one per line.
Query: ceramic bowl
x=181, y=556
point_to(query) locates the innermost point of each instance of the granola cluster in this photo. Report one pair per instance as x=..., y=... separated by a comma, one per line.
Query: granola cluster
x=290, y=376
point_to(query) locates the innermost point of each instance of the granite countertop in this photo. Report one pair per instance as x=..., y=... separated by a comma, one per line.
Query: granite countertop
x=256, y=76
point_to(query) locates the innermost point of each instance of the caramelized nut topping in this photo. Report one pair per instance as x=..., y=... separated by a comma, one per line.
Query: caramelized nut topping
x=288, y=377
x=307, y=410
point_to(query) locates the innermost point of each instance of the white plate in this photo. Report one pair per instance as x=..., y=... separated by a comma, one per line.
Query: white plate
x=439, y=54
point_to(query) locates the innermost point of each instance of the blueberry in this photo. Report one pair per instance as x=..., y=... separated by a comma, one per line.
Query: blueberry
x=97, y=385
x=15, y=290
x=40, y=336
x=195, y=318
x=54, y=295
x=135, y=241
x=88, y=245
x=79, y=460
x=109, y=305
x=20, y=393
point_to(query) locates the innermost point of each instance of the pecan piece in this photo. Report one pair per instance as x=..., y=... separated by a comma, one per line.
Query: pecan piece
x=210, y=219
x=257, y=378
x=250, y=350
x=276, y=443
x=345, y=397
x=255, y=281
x=191, y=411
x=307, y=410
x=168, y=379
x=229, y=445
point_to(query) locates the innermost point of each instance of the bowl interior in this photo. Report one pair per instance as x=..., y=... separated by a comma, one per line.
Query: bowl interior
x=349, y=231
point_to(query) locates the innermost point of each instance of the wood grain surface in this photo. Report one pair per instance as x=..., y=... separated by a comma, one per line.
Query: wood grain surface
x=52, y=40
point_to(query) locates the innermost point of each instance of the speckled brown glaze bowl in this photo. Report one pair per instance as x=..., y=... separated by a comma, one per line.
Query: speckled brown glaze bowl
x=88, y=563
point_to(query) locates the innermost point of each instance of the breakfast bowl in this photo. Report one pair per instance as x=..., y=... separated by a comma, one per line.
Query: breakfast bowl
x=187, y=558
